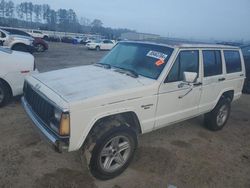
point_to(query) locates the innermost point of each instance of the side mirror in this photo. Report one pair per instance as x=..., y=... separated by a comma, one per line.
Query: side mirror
x=190, y=77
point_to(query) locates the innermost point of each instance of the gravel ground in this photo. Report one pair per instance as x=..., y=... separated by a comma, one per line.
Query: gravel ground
x=185, y=155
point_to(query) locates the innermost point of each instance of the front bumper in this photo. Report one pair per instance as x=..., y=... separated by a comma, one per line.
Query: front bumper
x=58, y=143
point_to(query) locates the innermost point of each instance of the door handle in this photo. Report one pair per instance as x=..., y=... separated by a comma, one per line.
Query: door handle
x=221, y=79
x=197, y=84
x=241, y=74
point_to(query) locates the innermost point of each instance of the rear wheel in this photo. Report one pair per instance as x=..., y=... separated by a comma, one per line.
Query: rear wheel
x=217, y=118
x=5, y=94
x=113, y=152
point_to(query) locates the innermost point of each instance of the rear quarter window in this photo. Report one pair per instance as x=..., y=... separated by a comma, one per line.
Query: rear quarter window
x=232, y=60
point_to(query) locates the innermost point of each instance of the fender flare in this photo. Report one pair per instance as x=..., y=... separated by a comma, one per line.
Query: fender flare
x=221, y=93
x=100, y=116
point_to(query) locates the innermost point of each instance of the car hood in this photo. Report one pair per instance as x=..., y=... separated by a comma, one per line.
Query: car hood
x=81, y=83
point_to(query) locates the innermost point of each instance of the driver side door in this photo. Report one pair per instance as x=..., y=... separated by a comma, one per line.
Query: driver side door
x=176, y=100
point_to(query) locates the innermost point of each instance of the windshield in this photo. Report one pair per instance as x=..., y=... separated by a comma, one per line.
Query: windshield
x=147, y=60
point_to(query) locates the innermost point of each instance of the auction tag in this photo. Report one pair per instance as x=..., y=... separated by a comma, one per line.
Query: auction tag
x=157, y=55
x=159, y=62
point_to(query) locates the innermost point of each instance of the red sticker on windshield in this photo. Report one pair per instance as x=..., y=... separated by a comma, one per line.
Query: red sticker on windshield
x=159, y=62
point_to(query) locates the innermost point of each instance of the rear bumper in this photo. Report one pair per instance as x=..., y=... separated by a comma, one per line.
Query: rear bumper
x=59, y=144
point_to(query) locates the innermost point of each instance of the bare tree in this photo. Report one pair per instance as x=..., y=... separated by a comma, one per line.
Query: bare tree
x=10, y=9
x=3, y=8
x=37, y=9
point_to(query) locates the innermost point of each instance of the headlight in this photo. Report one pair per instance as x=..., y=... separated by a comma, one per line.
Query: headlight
x=60, y=123
x=65, y=125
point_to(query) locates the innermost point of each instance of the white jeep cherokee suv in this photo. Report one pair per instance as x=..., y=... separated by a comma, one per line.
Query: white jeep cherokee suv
x=14, y=66
x=136, y=88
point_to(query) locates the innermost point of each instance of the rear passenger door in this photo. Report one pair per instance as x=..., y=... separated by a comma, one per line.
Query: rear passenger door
x=235, y=71
x=213, y=78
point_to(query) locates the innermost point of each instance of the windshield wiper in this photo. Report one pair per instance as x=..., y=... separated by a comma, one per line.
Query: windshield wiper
x=104, y=65
x=128, y=72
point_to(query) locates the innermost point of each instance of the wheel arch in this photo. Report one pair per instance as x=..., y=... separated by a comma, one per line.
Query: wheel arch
x=129, y=117
x=227, y=93
x=18, y=43
x=7, y=85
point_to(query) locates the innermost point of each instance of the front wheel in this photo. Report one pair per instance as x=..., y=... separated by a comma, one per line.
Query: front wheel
x=113, y=153
x=217, y=118
x=40, y=48
x=98, y=48
x=5, y=94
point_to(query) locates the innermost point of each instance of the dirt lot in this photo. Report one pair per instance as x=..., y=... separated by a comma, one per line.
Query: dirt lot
x=184, y=155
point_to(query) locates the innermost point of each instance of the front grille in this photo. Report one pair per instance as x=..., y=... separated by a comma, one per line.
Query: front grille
x=43, y=109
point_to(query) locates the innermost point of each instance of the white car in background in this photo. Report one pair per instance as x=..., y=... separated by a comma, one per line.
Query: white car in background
x=38, y=34
x=14, y=67
x=16, y=42
x=101, y=45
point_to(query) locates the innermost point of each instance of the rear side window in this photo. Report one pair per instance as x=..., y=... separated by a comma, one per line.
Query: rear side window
x=212, y=62
x=187, y=61
x=233, y=61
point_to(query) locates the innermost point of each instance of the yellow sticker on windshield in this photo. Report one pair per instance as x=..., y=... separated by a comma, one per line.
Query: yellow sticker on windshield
x=159, y=62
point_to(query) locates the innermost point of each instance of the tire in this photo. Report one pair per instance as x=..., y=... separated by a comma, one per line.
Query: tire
x=46, y=38
x=40, y=48
x=5, y=94
x=20, y=47
x=118, y=161
x=217, y=118
x=98, y=48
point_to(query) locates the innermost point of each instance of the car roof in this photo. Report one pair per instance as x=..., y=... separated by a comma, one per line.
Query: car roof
x=184, y=45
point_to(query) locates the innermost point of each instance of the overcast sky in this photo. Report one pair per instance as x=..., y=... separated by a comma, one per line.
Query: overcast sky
x=198, y=19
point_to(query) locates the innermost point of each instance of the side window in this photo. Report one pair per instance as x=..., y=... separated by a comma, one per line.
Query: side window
x=233, y=61
x=212, y=62
x=187, y=61
x=38, y=32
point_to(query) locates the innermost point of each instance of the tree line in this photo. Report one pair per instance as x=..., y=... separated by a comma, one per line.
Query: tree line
x=42, y=16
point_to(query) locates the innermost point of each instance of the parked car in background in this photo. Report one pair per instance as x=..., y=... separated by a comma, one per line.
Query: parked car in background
x=16, y=42
x=87, y=40
x=38, y=34
x=67, y=39
x=246, y=54
x=14, y=66
x=100, y=45
x=39, y=44
x=136, y=88
x=54, y=38
x=78, y=39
